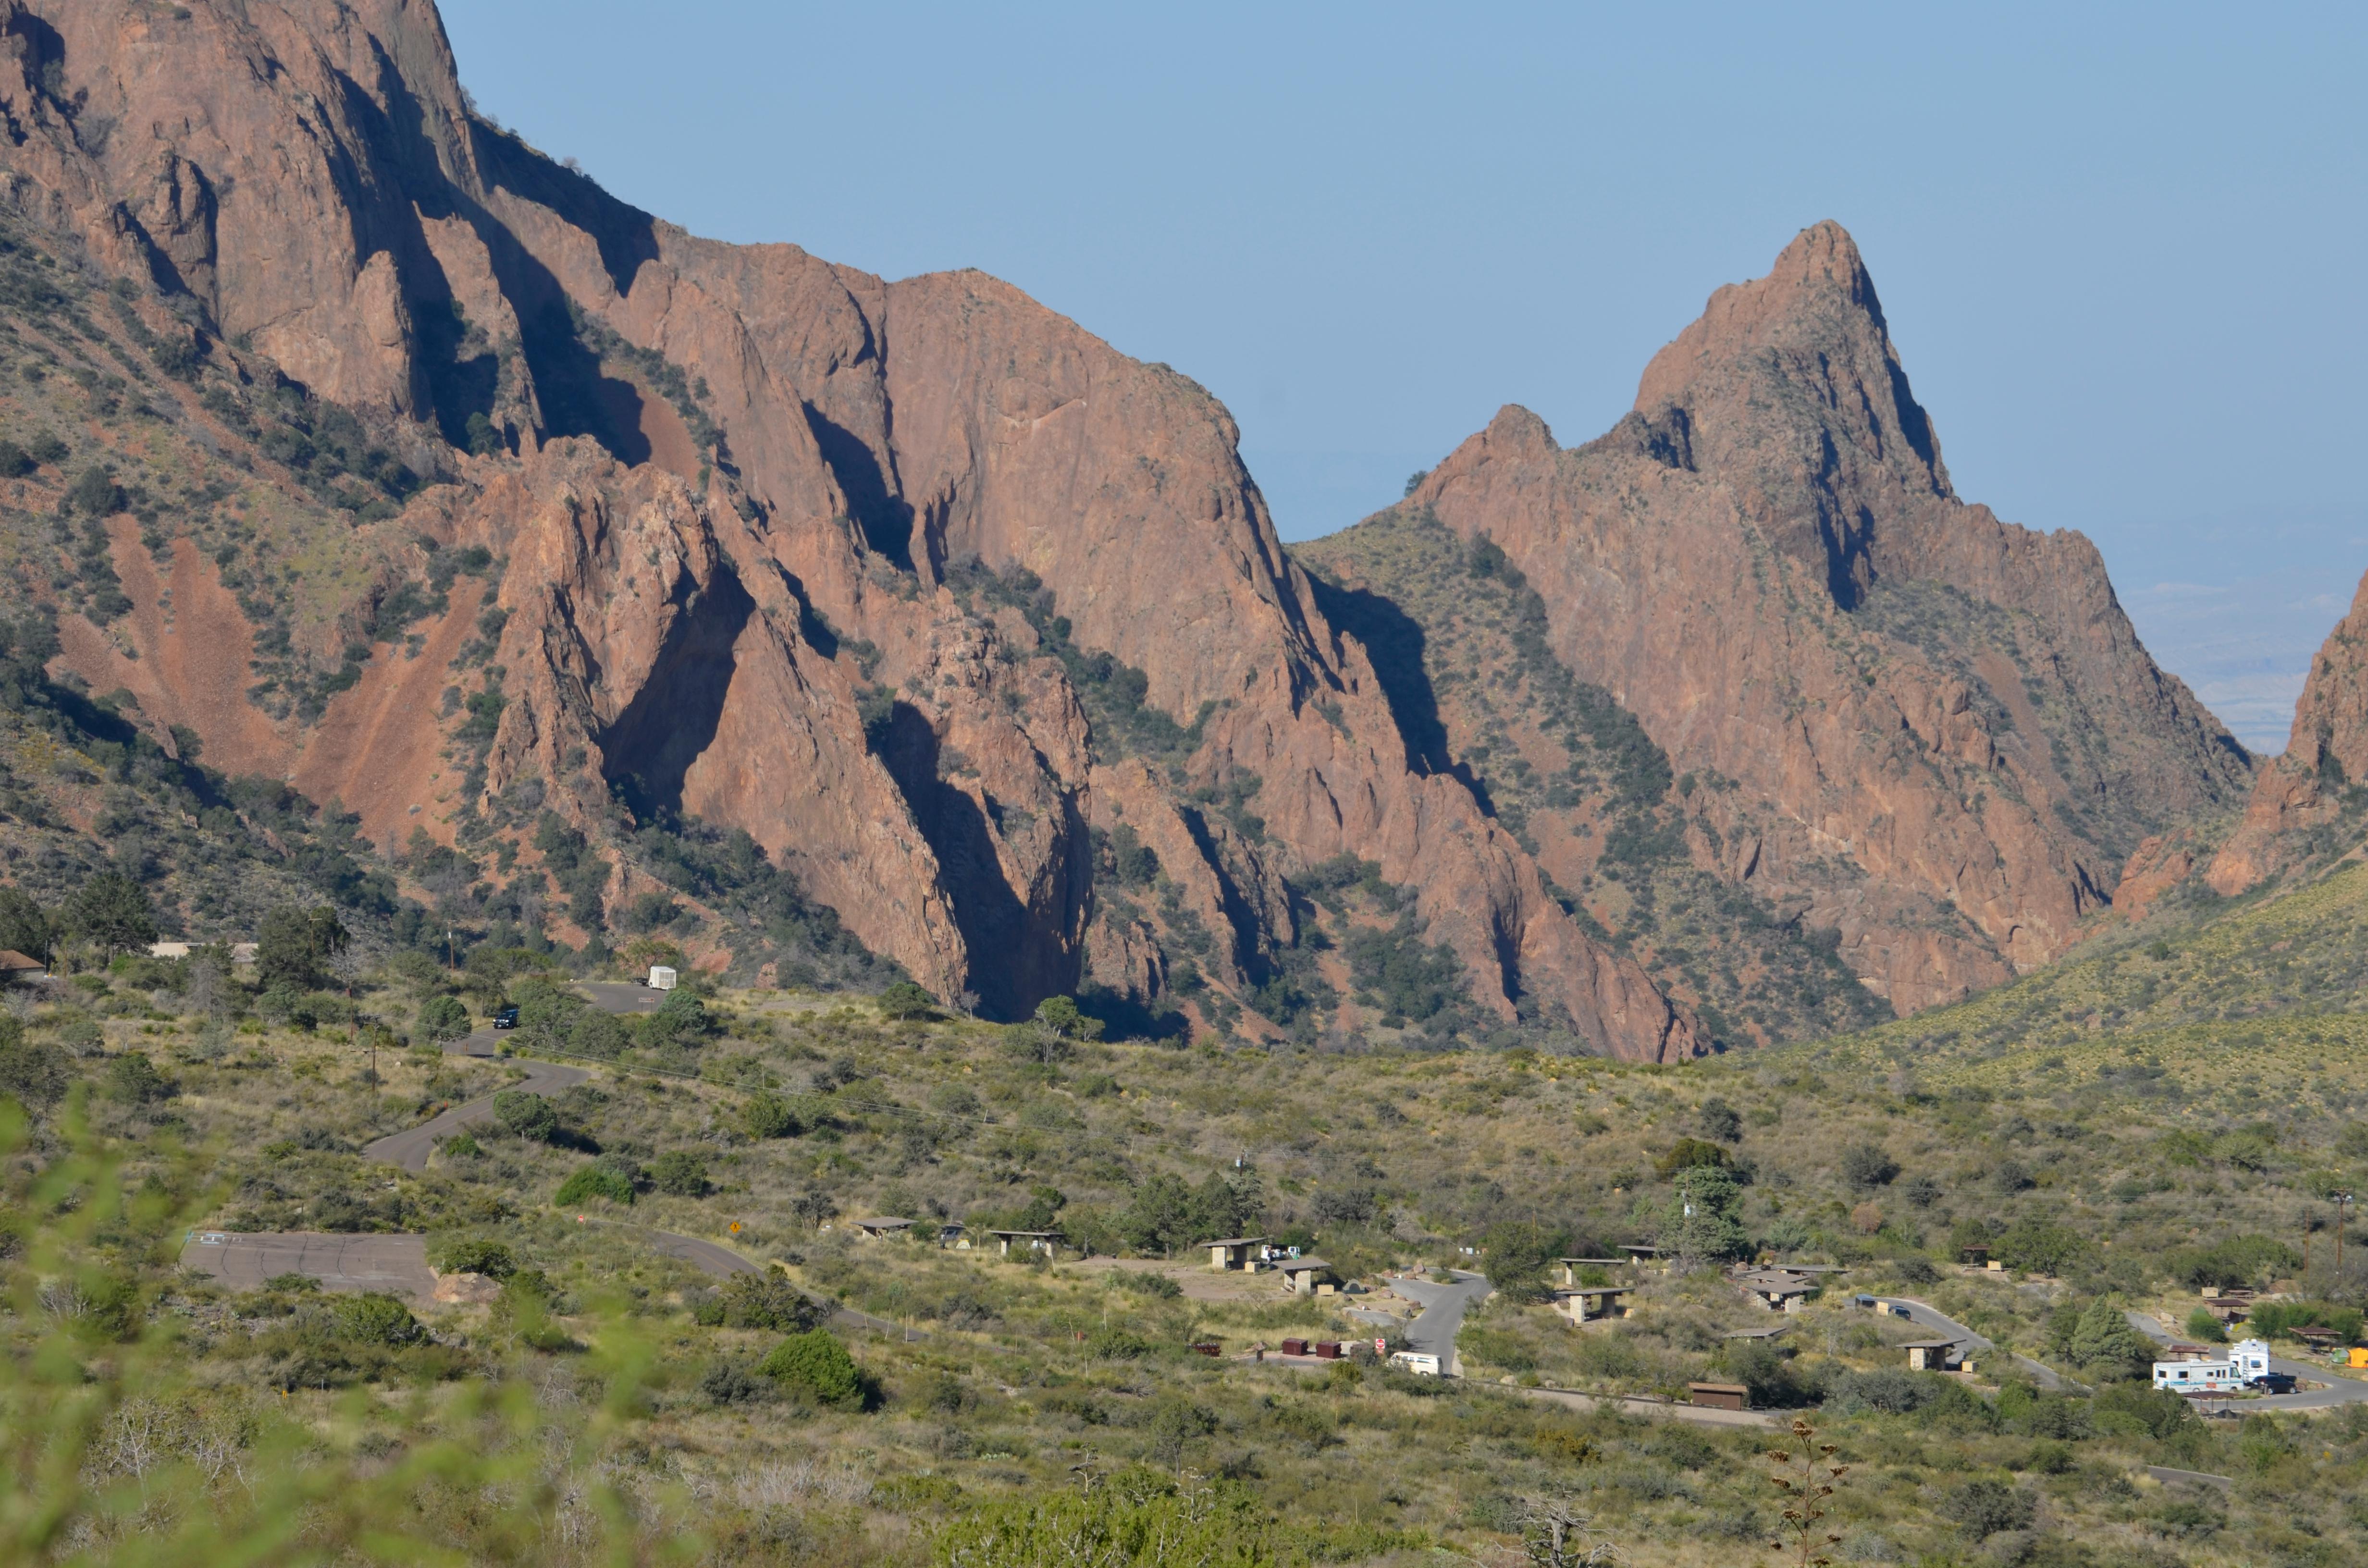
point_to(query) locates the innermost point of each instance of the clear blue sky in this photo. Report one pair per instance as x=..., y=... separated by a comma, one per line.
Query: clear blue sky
x=2120, y=245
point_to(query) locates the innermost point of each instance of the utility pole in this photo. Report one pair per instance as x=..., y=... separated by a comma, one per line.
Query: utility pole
x=2342, y=1202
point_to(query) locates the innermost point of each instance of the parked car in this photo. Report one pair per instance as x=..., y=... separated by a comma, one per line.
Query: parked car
x=2272, y=1382
x=506, y=1019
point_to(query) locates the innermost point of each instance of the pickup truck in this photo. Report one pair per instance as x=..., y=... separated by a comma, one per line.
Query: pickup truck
x=506, y=1019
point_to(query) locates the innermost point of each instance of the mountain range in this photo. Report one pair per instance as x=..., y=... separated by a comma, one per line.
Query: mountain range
x=417, y=521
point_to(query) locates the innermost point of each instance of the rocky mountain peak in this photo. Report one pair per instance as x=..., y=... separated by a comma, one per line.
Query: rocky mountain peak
x=2315, y=782
x=1790, y=389
x=1907, y=723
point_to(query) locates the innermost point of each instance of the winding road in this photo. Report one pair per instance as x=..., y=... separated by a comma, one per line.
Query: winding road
x=1926, y=1315
x=410, y=1149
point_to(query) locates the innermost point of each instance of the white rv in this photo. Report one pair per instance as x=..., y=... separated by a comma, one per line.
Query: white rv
x=2248, y=1359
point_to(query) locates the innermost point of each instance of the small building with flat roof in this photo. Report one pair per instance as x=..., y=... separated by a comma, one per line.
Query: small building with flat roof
x=1778, y=1290
x=873, y=1230
x=1046, y=1242
x=1719, y=1396
x=1934, y=1355
x=1236, y=1254
x=1638, y=1253
x=1308, y=1277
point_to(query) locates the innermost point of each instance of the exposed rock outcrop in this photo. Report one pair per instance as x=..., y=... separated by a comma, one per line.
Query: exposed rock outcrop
x=746, y=590
x=1944, y=735
x=2326, y=756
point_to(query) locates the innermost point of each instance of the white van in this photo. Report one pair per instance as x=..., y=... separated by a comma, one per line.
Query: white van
x=1421, y=1366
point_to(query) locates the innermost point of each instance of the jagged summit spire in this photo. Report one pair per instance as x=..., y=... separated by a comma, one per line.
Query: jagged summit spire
x=1808, y=344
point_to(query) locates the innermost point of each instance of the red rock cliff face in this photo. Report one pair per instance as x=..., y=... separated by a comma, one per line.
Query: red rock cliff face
x=746, y=499
x=1946, y=735
x=2325, y=756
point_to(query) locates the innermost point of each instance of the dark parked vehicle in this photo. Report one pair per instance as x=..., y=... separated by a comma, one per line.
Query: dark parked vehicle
x=2272, y=1382
x=506, y=1019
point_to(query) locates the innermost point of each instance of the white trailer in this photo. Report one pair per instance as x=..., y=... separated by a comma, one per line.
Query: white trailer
x=661, y=977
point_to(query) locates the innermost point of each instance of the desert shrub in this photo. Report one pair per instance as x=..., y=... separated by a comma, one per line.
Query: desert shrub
x=2232, y=1261
x=816, y=1367
x=1159, y=1287
x=1985, y=1506
x=768, y=1115
x=442, y=1019
x=1868, y=1166
x=1140, y=1517
x=680, y=1173
x=371, y=1318
x=477, y=1255
x=32, y=1072
x=594, y=1181
x=2042, y=1246
x=1114, y=1343
x=1690, y=1154
x=1721, y=1120
x=2135, y=1410
x=525, y=1115
x=761, y=1301
x=732, y=1381
x=132, y=1079
x=2202, y=1326
x=1517, y=1253
x=1891, y=1390
x=1497, y=1348
x=681, y=1019
x=600, y=1036
x=2036, y=1413
x=904, y=999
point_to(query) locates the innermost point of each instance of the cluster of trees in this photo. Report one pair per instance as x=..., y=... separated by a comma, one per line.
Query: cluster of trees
x=1169, y=1215
x=110, y=911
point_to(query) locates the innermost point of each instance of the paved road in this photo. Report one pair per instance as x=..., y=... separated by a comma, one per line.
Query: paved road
x=2339, y=1391
x=1433, y=1333
x=395, y=1264
x=622, y=996
x=1699, y=1414
x=411, y=1148
x=1925, y=1314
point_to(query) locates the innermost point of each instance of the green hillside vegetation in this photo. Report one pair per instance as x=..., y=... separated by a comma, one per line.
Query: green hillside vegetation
x=2284, y=967
x=1030, y=1402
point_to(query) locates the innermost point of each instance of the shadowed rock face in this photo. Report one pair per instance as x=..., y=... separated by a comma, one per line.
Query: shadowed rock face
x=1941, y=732
x=2311, y=782
x=745, y=498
